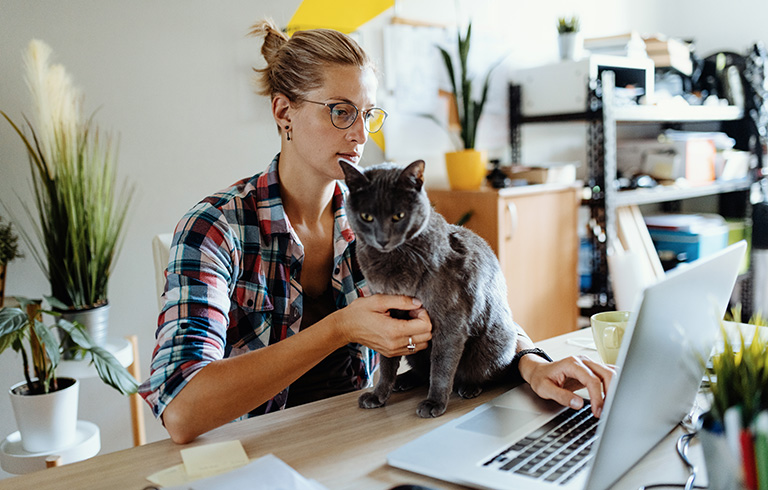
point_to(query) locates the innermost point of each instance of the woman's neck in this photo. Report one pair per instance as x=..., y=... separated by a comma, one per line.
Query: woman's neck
x=306, y=197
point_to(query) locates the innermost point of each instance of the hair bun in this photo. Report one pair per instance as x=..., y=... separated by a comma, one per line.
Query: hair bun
x=274, y=38
x=297, y=65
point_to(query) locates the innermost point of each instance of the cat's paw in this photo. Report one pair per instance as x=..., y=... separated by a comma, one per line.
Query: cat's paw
x=469, y=391
x=370, y=400
x=430, y=408
x=406, y=381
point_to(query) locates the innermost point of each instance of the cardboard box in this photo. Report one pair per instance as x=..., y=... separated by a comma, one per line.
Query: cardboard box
x=554, y=173
x=658, y=159
x=699, y=155
x=562, y=87
x=692, y=159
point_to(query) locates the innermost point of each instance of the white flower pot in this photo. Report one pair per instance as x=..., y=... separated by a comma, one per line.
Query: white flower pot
x=46, y=422
x=571, y=45
x=95, y=320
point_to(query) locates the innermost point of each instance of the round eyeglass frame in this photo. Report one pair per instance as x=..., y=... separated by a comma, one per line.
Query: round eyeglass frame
x=332, y=105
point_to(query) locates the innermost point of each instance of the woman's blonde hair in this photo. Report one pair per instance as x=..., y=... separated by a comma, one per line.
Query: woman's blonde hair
x=295, y=65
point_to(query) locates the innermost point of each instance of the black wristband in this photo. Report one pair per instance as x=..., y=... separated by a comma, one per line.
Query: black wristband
x=514, y=365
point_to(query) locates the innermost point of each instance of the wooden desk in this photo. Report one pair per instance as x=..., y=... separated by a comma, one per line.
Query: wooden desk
x=334, y=442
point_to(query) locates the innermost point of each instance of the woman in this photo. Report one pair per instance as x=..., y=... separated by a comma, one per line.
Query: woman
x=254, y=266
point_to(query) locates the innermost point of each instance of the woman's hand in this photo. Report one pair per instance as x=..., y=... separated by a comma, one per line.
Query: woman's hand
x=367, y=321
x=558, y=380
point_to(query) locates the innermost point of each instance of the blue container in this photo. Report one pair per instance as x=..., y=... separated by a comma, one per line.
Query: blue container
x=695, y=242
x=585, y=265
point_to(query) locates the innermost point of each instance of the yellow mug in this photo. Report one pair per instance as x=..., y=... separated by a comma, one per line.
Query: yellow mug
x=608, y=331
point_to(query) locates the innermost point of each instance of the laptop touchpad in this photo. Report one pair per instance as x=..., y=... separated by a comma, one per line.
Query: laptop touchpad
x=498, y=421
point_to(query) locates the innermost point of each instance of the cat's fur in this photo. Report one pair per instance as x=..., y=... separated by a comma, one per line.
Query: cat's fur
x=405, y=247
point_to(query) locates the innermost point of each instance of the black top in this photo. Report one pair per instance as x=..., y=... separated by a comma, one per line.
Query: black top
x=332, y=376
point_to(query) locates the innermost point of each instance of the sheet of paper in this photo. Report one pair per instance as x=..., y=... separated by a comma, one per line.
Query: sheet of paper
x=212, y=459
x=266, y=473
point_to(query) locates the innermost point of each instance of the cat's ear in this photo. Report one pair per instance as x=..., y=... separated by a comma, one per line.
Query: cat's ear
x=414, y=173
x=354, y=178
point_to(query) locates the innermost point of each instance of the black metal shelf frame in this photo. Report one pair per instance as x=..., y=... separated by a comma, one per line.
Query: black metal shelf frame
x=602, y=117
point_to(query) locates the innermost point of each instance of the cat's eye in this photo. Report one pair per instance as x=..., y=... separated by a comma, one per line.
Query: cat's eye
x=398, y=216
x=366, y=217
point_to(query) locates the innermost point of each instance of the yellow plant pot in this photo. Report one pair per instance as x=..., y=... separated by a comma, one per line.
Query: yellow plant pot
x=466, y=169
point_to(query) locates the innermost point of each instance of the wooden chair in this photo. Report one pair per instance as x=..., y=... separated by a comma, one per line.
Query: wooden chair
x=161, y=251
x=52, y=461
x=137, y=413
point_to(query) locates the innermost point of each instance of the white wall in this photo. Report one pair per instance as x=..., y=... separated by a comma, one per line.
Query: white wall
x=172, y=78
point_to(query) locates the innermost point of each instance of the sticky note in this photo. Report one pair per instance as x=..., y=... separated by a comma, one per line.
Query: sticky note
x=213, y=459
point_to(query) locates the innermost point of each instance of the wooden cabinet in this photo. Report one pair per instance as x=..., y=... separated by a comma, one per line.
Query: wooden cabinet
x=533, y=231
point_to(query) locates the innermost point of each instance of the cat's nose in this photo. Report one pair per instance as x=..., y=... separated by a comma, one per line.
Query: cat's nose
x=382, y=242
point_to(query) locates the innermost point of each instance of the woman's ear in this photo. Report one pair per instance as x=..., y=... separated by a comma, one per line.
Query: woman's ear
x=281, y=110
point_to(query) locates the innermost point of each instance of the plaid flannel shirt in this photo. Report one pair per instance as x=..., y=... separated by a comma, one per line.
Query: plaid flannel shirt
x=232, y=285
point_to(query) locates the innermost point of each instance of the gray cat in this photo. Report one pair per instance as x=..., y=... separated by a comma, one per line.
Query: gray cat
x=405, y=247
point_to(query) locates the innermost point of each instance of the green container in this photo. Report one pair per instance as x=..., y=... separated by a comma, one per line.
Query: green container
x=740, y=229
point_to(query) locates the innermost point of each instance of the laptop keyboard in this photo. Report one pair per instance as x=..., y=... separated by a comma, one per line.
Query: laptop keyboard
x=555, y=452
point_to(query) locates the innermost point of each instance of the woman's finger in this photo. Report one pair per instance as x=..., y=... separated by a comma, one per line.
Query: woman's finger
x=385, y=302
x=593, y=376
x=597, y=391
x=604, y=371
x=556, y=381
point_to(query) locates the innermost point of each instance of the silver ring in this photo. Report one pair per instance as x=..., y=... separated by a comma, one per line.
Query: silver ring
x=411, y=346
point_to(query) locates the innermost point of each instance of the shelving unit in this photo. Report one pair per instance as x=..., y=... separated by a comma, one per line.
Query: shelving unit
x=672, y=193
x=602, y=117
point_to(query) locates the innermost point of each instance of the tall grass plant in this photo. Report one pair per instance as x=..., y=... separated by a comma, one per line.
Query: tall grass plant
x=78, y=212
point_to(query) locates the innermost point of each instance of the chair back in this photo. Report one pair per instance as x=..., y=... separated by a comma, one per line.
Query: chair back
x=161, y=252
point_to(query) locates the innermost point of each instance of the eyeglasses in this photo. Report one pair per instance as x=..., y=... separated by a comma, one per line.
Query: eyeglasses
x=344, y=115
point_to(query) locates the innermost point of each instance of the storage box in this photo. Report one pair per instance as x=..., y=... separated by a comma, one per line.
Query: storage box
x=551, y=173
x=660, y=160
x=699, y=159
x=691, y=158
x=695, y=235
x=562, y=87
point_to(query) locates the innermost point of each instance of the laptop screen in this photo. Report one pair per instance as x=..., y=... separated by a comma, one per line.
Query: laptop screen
x=662, y=360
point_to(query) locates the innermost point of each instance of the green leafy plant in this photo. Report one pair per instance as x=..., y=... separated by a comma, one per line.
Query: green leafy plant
x=80, y=212
x=739, y=373
x=9, y=243
x=568, y=24
x=469, y=109
x=42, y=347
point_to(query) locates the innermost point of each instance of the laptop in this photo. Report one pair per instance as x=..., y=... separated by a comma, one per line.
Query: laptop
x=674, y=326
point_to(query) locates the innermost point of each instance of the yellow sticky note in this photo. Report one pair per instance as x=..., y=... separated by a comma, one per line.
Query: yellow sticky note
x=170, y=477
x=213, y=459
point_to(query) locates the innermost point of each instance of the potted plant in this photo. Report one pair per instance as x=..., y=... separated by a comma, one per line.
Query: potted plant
x=738, y=384
x=79, y=211
x=569, y=37
x=44, y=404
x=9, y=250
x=466, y=167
